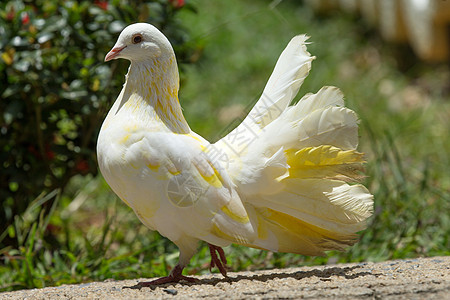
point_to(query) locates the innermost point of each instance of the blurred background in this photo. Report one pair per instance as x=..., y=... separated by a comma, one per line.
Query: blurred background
x=60, y=223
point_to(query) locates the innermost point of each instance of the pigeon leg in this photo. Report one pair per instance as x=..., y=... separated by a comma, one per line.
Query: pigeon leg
x=218, y=261
x=174, y=276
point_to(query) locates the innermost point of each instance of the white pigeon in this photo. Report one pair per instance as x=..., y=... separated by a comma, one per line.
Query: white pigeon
x=283, y=180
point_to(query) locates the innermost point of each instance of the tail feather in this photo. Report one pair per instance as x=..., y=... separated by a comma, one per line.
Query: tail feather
x=327, y=96
x=326, y=203
x=290, y=71
x=288, y=75
x=310, y=216
x=316, y=120
x=335, y=126
x=280, y=232
x=325, y=162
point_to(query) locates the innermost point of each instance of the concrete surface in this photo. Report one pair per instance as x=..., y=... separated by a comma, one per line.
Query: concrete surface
x=422, y=278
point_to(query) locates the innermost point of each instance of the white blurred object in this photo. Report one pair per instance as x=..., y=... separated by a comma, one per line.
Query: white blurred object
x=427, y=23
x=424, y=24
x=391, y=21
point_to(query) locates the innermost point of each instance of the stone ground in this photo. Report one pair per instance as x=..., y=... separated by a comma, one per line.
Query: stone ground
x=422, y=278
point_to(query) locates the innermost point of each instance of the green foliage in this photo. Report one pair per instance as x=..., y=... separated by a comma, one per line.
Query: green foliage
x=55, y=90
x=92, y=241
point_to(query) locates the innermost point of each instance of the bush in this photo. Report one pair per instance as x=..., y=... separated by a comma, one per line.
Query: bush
x=55, y=89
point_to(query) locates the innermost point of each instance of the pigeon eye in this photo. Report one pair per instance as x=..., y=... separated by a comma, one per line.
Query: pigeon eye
x=137, y=39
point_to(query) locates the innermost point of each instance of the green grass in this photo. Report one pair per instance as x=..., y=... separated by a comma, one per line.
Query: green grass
x=404, y=109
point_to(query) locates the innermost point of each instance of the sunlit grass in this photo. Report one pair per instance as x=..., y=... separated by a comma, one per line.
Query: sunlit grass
x=404, y=110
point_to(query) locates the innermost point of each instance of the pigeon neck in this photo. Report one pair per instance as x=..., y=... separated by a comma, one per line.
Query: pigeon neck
x=155, y=84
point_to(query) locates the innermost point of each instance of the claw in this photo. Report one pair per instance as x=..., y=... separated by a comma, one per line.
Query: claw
x=174, y=276
x=218, y=261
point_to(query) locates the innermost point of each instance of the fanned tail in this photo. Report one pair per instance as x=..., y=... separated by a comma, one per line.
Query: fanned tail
x=295, y=167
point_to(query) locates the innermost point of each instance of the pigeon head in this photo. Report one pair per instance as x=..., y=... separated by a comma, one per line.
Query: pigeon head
x=140, y=42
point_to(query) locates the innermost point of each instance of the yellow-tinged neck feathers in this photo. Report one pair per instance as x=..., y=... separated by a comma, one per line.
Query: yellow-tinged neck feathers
x=151, y=92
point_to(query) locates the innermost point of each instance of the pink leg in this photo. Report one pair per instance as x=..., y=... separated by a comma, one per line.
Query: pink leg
x=174, y=276
x=218, y=261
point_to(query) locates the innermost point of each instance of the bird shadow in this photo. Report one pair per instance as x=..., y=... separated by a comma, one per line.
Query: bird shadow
x=324, y=275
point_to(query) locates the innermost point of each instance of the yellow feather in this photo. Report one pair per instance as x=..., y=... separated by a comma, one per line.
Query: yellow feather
x=325, y=162
x=241, y=218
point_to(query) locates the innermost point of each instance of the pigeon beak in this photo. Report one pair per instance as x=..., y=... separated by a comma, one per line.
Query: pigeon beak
x=114, y=53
